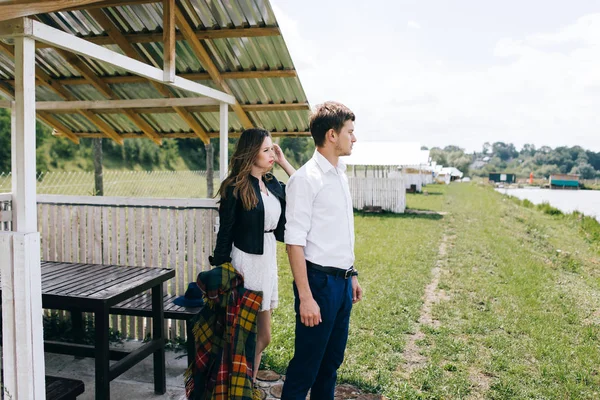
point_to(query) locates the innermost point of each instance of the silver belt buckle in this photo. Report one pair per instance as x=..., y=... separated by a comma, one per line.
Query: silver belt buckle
x=348, y=273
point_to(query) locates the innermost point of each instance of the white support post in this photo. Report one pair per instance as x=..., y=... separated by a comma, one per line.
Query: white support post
x=224, y=140
x=20, y=250
x=23, y=138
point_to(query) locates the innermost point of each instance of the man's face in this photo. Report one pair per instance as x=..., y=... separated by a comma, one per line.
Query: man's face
x=345, y=139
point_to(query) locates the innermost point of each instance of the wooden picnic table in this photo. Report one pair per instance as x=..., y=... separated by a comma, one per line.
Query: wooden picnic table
x=96, y=288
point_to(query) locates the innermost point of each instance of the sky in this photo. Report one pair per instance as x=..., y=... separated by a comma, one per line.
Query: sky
x=461, y=72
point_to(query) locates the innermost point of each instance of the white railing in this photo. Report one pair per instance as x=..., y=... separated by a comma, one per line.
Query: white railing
x=387, y=193
x=166, y=233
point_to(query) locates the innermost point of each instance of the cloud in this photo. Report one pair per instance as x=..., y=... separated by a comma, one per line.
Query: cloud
x=413, y=25
x=542, y=88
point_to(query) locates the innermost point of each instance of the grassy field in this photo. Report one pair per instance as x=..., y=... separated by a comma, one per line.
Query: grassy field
x=513, y=317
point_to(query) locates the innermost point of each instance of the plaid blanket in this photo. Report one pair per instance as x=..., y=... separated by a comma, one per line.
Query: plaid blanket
x=225, y=335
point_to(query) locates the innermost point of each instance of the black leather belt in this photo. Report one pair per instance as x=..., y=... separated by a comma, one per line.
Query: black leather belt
x=270, y=231
x=337, y=272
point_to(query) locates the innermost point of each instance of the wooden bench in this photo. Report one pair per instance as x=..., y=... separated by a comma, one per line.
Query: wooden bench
x=63, y=388
x=141, y=306
x=59, y=388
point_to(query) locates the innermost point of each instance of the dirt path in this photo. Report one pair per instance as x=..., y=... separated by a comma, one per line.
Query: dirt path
x=412, y=353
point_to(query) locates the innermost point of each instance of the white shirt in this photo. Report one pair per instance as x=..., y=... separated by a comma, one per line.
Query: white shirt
x=319, y=213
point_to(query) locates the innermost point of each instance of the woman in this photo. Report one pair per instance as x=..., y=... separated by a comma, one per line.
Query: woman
x=251, y=219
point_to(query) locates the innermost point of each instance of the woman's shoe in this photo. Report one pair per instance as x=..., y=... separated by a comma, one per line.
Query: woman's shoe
x=258, y=394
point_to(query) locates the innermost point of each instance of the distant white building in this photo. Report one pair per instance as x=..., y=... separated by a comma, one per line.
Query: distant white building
x=392, y=159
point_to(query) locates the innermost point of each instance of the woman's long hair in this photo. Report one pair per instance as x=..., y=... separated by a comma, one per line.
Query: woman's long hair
x=240, y=167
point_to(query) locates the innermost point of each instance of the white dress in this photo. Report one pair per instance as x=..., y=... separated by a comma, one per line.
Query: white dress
x=260, y=270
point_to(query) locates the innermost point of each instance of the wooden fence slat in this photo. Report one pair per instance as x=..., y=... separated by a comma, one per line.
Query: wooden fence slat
x=199, y=236
x=105, y=235
x=172, y=215
x=180, y=274
x=59, y=234
x=131, y=247
x=52, y=233
x=66, y=212
x=148, y=245
x=114, y=238
x=45, y=233
x=82, y=235
x=123, y=258
x=74, y=234
x=189, y=250
x=97, y=223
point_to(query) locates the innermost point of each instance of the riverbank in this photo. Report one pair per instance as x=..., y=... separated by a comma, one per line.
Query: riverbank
x=491, y=299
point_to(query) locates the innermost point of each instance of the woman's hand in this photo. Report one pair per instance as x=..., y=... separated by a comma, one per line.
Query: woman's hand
x=279, y=157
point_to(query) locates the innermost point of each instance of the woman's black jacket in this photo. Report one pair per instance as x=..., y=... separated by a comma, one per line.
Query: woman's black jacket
x=245, y=228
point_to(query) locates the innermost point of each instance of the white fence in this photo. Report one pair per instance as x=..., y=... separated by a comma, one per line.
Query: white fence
x=387, y=193
x=166, y=233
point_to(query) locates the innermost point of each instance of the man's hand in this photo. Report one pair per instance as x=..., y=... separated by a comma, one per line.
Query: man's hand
x=356, y=290
x=310, y=313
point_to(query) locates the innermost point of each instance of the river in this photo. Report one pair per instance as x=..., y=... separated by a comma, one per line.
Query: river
x=585, y=201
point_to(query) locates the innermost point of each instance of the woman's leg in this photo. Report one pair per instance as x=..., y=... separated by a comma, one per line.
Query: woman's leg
x=263, y=338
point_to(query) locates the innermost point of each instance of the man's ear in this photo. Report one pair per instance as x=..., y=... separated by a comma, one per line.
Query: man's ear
x=330, y=135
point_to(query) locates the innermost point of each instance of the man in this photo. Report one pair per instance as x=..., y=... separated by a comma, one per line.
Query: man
x=319, y=235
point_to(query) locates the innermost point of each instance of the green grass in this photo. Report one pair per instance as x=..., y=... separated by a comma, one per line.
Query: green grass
x=432, y=198
x=521, y=319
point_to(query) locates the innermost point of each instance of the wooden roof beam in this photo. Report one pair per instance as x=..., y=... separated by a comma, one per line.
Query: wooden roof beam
x=184, y=135
x=10, y=9
x=209, y=34
x=194, y=76
x=208, y=64
x=58, y=126
x=169, y=45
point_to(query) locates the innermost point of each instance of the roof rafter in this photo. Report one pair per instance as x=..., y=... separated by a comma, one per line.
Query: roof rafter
x=169, y=45
x=182, y=135
x=167, y=108
x=209, y=34
x=194, y=76
x=208, y=64
x=10, y=9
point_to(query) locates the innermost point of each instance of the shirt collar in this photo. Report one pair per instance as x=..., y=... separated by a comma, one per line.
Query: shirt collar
x=325, y=165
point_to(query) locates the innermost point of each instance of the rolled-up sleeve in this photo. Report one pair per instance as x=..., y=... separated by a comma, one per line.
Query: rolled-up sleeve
x=298, y=214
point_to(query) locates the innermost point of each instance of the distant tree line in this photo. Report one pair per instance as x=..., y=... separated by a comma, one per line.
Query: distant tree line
x=504, y=157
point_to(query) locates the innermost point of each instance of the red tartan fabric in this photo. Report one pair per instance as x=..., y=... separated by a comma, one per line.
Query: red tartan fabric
x=225, y=336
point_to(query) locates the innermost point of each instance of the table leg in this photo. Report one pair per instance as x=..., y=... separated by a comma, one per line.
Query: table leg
x=158, y=333
x=77, y=325
x=102, y=355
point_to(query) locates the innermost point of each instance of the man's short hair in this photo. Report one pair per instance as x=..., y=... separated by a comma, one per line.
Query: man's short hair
x=329, y=115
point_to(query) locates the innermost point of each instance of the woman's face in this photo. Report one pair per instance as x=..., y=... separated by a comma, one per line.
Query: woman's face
x=266, y=155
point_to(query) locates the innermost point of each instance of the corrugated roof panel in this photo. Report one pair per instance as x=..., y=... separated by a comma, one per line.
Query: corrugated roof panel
x=228, y=54
x=54, y=64
x=281, y=120
x=210, y=121
x=43, y=93
x=267, y=90
x=167, y=122
x=76, y=122
x=7, y=67
x=136, y=91
x=86, y=92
